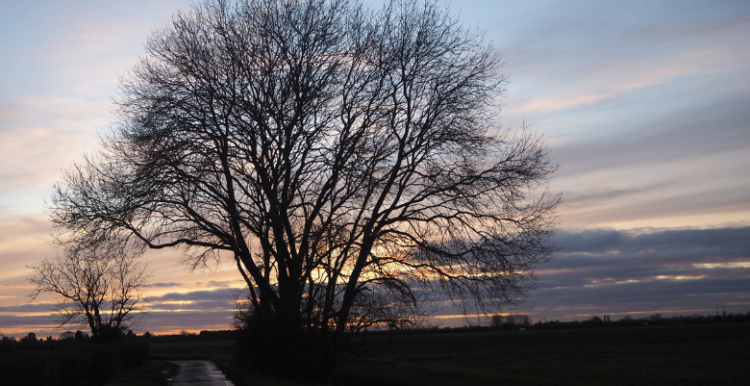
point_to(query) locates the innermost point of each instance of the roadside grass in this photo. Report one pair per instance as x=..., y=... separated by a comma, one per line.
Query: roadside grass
x=152, y=373
x=241, y=377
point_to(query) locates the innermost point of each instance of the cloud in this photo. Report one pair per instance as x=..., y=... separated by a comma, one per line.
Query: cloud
x=26, y=323
x=21, y=234
x=195, y=310
x=166, y=285
x=595, y=271
x=612, y=81
x=222, y=283
x=27, y=308
x=691, y=165
x=41, y=137
x=220, y=300
x=671, y=271
x=722, y=265
x=54, y=95
x=688, y=136
x=708, y=243
x=220, y=294
x=644, y=106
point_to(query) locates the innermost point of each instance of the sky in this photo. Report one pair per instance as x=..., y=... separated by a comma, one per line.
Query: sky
x=644, y=105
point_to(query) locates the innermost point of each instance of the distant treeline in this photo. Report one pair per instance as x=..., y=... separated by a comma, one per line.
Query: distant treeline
x=655, y=319
x=183, y=336
x=524, y=322
x=204, y=335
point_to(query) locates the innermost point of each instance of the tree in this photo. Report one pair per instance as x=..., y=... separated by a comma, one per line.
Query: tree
x=97, y=284
x=518, y=320
x=29, y=339
x=67, y=335
x=496, y=321
x=348, y=161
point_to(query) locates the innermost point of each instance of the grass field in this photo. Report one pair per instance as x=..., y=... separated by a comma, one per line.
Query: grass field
x=688, y=363
x=192, y=348
x=705, y=354
x=665, y=355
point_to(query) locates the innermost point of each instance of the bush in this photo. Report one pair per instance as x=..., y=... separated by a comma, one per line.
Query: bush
x=302, y=355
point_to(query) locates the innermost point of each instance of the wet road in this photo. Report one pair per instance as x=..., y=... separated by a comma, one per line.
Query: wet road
x=199, y=373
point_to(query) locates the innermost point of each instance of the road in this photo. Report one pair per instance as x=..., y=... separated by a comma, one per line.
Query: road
x=199, y=373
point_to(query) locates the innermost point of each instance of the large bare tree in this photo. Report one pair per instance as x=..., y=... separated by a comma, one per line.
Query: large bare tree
x=346, y=159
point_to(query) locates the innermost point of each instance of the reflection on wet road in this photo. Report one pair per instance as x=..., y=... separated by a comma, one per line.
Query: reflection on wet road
x=199, y=373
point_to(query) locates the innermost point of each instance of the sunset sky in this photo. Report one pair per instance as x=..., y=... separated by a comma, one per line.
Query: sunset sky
x=645, y=106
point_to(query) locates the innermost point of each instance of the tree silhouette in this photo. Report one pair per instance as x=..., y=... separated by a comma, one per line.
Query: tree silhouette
x=67, y=335
x=97, y=283
x=29, y=339
x=348, y=161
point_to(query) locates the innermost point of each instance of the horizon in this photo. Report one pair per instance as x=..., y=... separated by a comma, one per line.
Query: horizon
x=643, y=106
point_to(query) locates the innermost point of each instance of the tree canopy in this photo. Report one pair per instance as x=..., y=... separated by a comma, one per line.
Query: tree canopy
x=348, y=160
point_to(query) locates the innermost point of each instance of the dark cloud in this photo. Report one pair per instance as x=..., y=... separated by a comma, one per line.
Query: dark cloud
x=224, y=294
x=220, y=300
x=222, y=283
x=14, y=321
x=712, y=243
x=39, y=307
x=166, y=285
x=609, y=271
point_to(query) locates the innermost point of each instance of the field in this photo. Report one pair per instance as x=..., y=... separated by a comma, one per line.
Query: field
x=693, y=354
x=665, y=355
x=200, y=348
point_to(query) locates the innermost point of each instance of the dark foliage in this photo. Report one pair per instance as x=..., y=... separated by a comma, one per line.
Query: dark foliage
x=69, y=362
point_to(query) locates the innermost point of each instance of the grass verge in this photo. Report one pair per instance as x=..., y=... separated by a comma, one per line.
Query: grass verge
x=241, y=377
x=153, y=373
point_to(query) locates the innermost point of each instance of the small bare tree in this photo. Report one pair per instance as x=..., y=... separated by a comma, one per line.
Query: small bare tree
x=97, y=284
